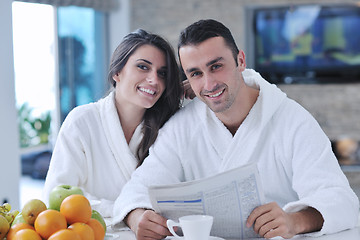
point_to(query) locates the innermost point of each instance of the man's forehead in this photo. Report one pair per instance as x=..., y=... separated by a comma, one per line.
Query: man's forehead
x=212, y=43
x=202, y=54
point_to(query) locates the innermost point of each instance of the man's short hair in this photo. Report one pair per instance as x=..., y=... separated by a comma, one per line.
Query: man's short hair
x=202, y=30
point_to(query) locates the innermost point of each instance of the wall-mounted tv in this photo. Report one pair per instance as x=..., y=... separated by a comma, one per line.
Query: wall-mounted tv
x=308, y=43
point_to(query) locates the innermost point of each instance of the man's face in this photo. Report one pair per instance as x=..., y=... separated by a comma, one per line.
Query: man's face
x=212, y=72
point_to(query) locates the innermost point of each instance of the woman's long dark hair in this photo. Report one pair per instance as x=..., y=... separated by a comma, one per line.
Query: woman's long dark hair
x=168, y=103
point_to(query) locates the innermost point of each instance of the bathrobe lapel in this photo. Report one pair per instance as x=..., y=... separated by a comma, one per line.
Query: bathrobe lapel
x=116, y=138
x=240, y=149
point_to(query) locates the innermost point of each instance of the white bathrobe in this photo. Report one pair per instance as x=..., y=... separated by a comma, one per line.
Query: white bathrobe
x=91, y=152
x=296, y=164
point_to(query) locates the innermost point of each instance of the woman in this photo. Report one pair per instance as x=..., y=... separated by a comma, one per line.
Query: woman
x=100, y=144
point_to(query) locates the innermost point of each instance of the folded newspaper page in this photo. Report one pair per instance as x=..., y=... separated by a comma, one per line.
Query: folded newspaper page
x=229, y=197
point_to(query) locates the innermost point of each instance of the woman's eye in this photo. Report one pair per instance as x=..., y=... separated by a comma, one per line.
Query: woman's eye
x=142, y=67
x=162, y=74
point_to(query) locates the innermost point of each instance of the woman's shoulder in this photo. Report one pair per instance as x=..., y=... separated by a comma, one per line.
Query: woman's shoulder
x=87, y=111
x=81, y=112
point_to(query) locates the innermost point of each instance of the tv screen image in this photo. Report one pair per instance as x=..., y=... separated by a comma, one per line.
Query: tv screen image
x=308, y=43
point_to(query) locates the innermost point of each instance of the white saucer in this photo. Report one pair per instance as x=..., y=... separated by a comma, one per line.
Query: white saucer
x=210, y=238
x=215, y=238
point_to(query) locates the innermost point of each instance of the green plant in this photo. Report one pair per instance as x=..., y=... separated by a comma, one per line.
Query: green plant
x=33, y=130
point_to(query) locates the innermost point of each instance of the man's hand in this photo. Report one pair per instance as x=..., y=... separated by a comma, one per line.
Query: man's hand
x=146, y=224
x=270, y=220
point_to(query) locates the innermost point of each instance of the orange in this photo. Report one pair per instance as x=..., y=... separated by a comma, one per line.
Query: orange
x=98, y=229
x=49, y=222
x=27, y=234
x=84, y=230
x=65, y=234
x=76, y=208
x=17, y=227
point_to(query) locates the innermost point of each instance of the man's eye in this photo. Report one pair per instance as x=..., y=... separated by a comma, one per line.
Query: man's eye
x=215, y=66
x=195, y=74
x=142, y=67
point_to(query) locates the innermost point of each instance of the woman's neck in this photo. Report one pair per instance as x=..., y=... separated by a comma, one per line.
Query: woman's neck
x=130, y=117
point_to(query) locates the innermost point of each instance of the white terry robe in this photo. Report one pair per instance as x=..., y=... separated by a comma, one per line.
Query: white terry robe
x=91, y=152
x=296, y=164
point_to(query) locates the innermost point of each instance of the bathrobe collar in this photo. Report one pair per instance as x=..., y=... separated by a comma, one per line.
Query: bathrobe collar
x=247, y=137
x=124, y=153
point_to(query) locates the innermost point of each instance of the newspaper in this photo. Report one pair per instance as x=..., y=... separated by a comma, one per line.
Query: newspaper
x=229, y=197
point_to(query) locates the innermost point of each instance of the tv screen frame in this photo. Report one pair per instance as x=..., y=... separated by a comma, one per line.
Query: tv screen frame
x=306, y=43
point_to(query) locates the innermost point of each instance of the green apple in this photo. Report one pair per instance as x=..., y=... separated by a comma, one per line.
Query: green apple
x=31, y=210
x=96, y=215
x=59, y=193
x=18, y=219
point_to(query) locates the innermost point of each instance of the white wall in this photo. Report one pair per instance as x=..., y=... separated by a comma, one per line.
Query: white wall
x=9, y=147
x=119, y=24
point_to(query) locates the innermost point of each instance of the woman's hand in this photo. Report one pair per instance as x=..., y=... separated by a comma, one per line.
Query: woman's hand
x=188, y=92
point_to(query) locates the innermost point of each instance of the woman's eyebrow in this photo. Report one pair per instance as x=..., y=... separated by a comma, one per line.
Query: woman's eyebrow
x=144, y=60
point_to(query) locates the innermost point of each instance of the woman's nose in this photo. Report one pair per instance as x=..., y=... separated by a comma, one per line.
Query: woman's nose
x=152, y=78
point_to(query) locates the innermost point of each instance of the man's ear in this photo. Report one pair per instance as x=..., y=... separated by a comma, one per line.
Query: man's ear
x=241, y=60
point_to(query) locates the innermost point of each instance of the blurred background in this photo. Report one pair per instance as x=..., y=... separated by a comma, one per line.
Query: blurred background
x=55, y=55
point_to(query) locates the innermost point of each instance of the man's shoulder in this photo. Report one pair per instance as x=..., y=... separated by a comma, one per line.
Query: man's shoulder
x=191, y=110
x=292, y=109
x=188, y=117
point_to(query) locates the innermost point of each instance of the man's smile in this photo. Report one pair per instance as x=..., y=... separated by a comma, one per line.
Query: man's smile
x=216, y=94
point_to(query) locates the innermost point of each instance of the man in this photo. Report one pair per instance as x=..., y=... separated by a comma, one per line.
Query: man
x=238, y=118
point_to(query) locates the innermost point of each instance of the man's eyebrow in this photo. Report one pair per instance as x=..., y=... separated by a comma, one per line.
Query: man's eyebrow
x=214, y=61
x=144, y=60
x=192, y=69
x=208, y=64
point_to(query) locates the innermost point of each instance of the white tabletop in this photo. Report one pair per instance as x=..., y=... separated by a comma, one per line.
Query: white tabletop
x=352, y=234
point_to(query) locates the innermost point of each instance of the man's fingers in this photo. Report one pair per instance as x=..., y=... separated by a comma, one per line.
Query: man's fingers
x=256, y=213
x=156, y=223
x=263, y=221
x=267, y=227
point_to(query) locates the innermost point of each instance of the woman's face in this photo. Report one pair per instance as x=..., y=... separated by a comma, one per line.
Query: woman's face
x=142, y=80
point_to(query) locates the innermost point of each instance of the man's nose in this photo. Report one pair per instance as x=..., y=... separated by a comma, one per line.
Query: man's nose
x=209, y=82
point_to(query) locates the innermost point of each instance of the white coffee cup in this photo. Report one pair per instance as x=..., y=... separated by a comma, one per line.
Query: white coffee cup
x=194, y=227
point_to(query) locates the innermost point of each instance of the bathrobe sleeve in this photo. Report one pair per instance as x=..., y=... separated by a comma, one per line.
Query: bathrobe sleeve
x=91, y=152
x=167, y=163
x=161, y=166
x=68, y=163
x=316, y=176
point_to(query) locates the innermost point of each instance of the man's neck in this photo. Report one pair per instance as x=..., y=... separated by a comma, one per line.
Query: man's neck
x=234, y=117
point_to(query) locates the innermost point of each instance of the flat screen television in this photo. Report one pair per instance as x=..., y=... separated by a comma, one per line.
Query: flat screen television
x=308, y=43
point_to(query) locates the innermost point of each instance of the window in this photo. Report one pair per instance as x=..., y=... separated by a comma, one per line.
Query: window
x=81, y=57
x=60, y=62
